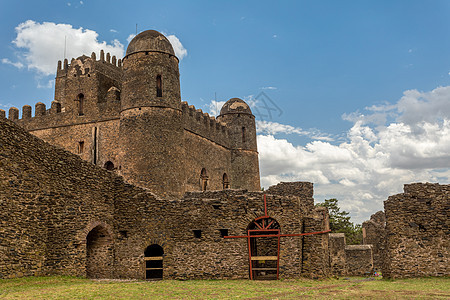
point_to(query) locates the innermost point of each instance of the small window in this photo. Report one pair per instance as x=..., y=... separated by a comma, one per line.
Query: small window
x=109, y=166
x=243, y=134
x=197, y=233
x=203, y=180
x=223, y=232
x=158, y=86
x=225, y=181
x=80, y=99
x=80, y=147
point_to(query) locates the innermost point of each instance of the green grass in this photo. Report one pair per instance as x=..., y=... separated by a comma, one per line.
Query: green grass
x=58, y=287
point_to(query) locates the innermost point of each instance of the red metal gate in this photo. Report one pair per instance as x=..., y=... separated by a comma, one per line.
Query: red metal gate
x=265, y=227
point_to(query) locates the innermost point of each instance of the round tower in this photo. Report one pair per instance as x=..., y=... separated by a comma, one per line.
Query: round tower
x=151, y=143
x=244, y=157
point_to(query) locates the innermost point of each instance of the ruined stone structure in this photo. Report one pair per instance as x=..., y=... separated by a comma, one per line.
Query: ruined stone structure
x=153, y=187
x=121, y=179
x=417, y=232
x=349, y=260
x=374, y=234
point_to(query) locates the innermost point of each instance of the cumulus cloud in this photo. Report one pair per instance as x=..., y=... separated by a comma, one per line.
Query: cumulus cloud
x=179, y=49
x=42, y=44
x=376, y=158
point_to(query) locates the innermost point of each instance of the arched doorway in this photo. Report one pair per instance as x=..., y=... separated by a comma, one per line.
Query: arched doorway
x=153, y=256
x=263, y=248
x=99, y=253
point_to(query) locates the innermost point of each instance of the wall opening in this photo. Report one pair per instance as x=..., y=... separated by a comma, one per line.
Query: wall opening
x=243, y=134
x=197, y=233
x=109, y=165
x=153, y=256
x=99, y=253
x=264, y=249
x=158, y=86
x=203, y=180
x=80, y=99
x=80, y=147
x=223, y=232
x=225, y=181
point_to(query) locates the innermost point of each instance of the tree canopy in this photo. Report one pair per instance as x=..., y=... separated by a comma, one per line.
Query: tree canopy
x=340, y=222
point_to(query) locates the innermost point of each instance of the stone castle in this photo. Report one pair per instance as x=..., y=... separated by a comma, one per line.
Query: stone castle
x=121, y=179
x=127, y=115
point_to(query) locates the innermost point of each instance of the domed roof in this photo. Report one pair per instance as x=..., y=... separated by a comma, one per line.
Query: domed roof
x=150, y=40
x=235, y=106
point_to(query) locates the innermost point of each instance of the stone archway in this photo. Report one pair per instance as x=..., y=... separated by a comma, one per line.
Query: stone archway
x=99, y=253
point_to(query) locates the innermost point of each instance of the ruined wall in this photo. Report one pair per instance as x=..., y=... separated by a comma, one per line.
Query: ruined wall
x=209, y=256
x=337, y=254
x=62, y=215
x=374, y=234
x=417, y=231
x=359, y=260
x=52, y=198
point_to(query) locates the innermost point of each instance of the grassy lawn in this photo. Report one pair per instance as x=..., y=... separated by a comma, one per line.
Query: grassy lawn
x=79, y=288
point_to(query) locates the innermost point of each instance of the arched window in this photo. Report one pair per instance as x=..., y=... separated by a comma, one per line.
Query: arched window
x=158, y=86
x=153, y=256
x=243, y=134
x=203, y=180
x=80, y=99
x=225, y=181
x=109, y=165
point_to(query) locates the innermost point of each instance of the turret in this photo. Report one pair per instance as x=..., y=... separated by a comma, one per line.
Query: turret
x=240, y=121
x=151, y=107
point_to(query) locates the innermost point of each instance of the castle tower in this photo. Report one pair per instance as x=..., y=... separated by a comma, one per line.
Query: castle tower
x=244, y=157
x=151, y=130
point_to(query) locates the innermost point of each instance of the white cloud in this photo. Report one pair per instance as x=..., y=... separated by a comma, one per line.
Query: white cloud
x=269, y=88
x=18, y=65
x=179, y=49
x=375, y=161
x=113, y=30
x=42, y=45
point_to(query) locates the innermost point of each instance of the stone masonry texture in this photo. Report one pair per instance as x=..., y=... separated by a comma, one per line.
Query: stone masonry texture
x=417, y=232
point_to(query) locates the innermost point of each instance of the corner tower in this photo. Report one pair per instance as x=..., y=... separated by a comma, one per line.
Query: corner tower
x=244, y=153
x=151, y=130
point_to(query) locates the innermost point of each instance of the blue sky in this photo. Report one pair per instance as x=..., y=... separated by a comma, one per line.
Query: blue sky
x=360, y=87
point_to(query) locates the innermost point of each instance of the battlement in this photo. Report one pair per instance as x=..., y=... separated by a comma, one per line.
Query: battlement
x=198, y=122
x=110, y=62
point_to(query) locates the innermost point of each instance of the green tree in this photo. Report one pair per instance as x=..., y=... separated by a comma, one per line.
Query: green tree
x=340, y=222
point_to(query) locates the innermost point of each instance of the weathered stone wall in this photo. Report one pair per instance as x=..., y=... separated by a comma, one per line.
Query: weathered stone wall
x=49, y=200
x=374, y=234
x=359, y=260
x=337, y=245
x=62, y=215
x=417, y=231
x=202, y=153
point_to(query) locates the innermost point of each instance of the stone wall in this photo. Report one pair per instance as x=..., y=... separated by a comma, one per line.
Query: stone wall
x=417, y=231
x=62, y=215
x=374, y=234
x=337, y=254
x=359, y=260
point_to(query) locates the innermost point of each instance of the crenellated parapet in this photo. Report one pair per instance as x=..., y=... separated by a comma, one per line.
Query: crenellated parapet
x=85, y=64
x=204, y=125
